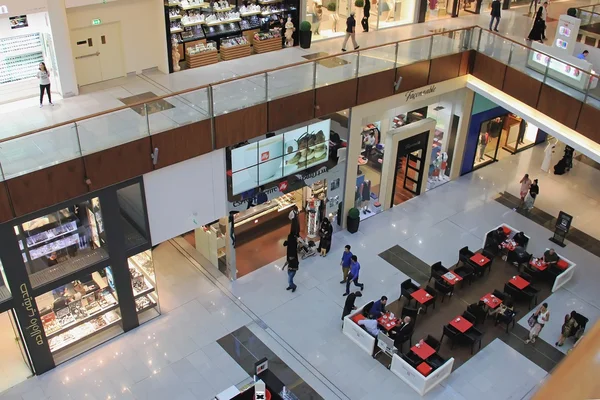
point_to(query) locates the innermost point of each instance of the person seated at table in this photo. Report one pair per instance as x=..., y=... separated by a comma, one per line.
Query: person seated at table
x=403, y=327
x=568, y=326
x=550, y=257
x=378, y=308
x=520, y=239
x=370, y=326
x=503, y=309
x=498, y=237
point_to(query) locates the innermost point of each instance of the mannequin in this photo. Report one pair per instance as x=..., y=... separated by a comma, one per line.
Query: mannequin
x=289, y=31
x=548, y=156
x=443, y=166
x=175, y=54
x=318, y=16
x=366, y=196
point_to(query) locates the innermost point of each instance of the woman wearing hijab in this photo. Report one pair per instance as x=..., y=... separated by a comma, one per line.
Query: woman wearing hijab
x=539, y=25
x=534, y=190
x=326, y=232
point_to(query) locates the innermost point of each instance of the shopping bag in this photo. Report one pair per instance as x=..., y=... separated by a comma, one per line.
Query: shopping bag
x=532, y=320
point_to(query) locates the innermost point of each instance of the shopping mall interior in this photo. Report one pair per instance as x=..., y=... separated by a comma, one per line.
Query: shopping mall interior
x=148, y=216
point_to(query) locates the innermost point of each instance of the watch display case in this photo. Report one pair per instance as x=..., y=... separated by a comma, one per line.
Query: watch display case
x=20, y=57
x=74, y=313
x=62, y=242
x=143, y=282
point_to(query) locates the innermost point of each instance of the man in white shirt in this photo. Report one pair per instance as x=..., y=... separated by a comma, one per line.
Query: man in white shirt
x=370, y=325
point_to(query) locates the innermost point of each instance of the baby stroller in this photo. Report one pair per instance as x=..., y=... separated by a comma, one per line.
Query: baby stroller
x=306, y=248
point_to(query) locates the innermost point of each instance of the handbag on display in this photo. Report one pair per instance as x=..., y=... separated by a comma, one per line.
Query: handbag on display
x=532, y=320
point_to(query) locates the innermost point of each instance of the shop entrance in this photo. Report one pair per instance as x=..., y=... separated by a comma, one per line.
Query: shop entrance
x=14, y=363
x=98, y=53
x=409, y=168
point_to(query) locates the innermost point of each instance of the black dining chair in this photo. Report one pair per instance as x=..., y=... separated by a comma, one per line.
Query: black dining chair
x=433, y=342
x=433, y=298
x=469, y=317
x=500, y=295
x=437, y=270
x=526, y=276
x=412, y=358
x=534, y=273
x=367, y=308
x=472, y=337
x=465, y=272
x=409, y=312
x=464, y=256
x=452, y=333
x=479, y=313
x=506, y=319
x=404, y=337
x=406, y=288
x=435, y=361
x=444, y=289
x=531, y=293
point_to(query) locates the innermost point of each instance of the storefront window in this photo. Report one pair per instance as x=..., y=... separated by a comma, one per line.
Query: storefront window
x=74, y=315
x=489, y=140
x=63, y=242
x=370, y=164
x=143, y=282
x=519, y=134
x=133, y=215
x=326, y=17
x=4, y=289
x=393, y=12
x=437, y=9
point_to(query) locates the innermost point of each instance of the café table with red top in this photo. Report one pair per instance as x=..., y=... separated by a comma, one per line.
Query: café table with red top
x=423, y=350
x=421, y=296
x=491, y=301
x=538, y=264
x=509, y=244
x=518, y=282
x=387, y=322
x=424, y=368
x=451, y=278
x=461, y=324
x=480, y=259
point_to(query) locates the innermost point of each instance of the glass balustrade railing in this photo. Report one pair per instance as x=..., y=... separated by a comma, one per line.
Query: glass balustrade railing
x=46, y=147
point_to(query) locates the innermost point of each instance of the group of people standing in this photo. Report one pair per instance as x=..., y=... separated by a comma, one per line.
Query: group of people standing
x=529, y=192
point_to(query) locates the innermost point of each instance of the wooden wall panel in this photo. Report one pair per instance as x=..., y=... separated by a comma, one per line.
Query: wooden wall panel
x=183, y=143
x=120, y=163
x=376, y=86
x=444, y=68
x=588, y=123
x=489, y=70
x=336, y=97
x=6, y=212
x=413, y=76
x=240, y=125
x=522, y=87
x=291, y=110
x=47, y=187
x=466, y=62
x=559, y=106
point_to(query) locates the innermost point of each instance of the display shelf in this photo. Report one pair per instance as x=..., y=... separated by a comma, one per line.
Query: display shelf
x=239, y=51
x=176, y=30
x=269, y=1
x=201, y=5
x=202, y=59
x=264, y=46
x=28, y=239
x=4, y=294
x=141, y=270
x=274, y=12
x=251, y=13
x=83, y=321
x=229, y=21
x=149, y=290
x=175, y=17
x=193, y=23
x=174, y=4
x=66, y=345
x=148, y=307
x=225, y=9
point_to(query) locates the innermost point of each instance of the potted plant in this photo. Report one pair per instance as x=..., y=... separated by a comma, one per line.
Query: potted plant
x=572, y=12
x=353, y=220
x=331, y=6
x=359, y=3
x=305, y=34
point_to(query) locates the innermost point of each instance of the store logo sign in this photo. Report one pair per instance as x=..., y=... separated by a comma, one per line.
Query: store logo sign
x=413, y=95
x=283, y=186
x=3, y=10
x=33, y=327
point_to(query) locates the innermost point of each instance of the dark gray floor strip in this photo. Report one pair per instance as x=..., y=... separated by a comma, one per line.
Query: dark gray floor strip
x=548, y=221
x=245, y=348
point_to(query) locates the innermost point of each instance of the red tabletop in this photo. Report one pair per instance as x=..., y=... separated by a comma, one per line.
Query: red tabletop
x=423, y=350
x=451, y=277
x=461, y=324
x=480, y=259
x=506, y=230
x=518, y=282
x=562, y=264
x=421, y=296
x=358, y=317
x=491, y=301
x=387, y=322
x=538, y=264
x=424, y=368
x=509, y=244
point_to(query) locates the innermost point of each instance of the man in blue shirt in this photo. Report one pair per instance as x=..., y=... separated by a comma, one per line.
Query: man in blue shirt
x=345, y=263
x=378, y=308
x=353, y=275
x=583, y=55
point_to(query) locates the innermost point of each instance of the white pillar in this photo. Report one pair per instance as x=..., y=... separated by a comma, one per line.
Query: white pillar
x=59, y=29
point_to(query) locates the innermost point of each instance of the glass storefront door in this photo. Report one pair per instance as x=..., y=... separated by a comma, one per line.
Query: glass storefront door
x=14, y=364
x=409, y=168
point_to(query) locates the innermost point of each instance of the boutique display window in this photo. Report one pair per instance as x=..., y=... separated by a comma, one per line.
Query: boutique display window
x=133, y=216
x=63, y=242
x=520, y=134
x=143, y=283
x=370, y=163
x=80, y=314
x=390, y=13
x=4, y=289
x=327, y=18
x=491, y=133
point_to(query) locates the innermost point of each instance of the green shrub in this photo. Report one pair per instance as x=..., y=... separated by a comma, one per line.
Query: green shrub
x=359, y=3
x=353, y=212
x=331, y=6
x=305, y=26
x=572, y=12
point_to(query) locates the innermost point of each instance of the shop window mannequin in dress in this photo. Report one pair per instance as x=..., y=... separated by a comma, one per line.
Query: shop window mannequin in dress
x=365, y=196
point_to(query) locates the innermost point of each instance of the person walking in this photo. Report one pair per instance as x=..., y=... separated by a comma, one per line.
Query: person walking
x=533, y=4
x=326, y=232
x=346, y=262
x=534, y=190
x=496, y=7
x=537, y=321
x=538, y=30
x=43, y=76
x=350, y=32
x=349, y=304
x=484, y=139
x=291, y=260
x=353, y=275
x=366, y=14
x=525, y=184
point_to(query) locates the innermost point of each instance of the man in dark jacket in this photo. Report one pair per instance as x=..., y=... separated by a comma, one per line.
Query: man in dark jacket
x=349, y=304
x=496, y=7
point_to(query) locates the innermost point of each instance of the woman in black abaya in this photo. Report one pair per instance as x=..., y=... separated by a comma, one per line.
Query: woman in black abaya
x=539, y=26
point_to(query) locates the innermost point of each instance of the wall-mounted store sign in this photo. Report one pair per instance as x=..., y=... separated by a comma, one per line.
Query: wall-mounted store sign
x=416, y=94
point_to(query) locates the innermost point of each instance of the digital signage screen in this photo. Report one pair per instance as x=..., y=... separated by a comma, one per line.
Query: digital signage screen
x=270, y=159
